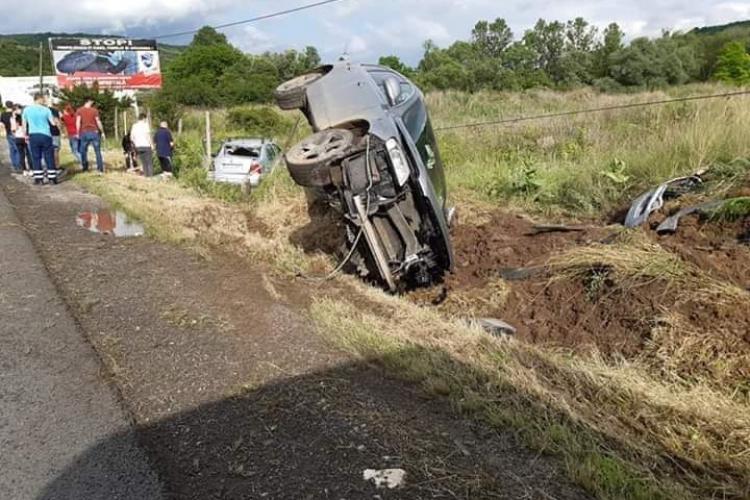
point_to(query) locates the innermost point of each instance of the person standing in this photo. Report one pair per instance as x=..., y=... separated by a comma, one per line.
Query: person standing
x=19, y=135
x=71, y=130
x=38, y=120
x=140, y=136
x=164, y=147
x=6, y=122
x=91, y=130
x=56, y=142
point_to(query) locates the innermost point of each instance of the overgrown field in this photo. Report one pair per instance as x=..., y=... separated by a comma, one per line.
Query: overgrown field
x=631, y=362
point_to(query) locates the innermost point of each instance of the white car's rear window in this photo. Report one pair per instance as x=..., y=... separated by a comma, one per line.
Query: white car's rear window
x=241, y=151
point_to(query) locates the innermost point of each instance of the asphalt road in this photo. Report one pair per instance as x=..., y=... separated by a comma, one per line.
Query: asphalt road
x=55, y=406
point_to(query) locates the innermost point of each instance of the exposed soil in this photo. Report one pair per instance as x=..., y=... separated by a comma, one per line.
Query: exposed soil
x=234, y=395
x=593, y=312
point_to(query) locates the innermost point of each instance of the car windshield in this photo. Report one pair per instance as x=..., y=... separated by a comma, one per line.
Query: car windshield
x=243, y=151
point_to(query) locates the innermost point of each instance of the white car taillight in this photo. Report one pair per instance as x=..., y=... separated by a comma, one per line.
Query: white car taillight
x=398, y=160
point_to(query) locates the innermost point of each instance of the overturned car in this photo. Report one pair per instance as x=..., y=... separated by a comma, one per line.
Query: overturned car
x=373, y=158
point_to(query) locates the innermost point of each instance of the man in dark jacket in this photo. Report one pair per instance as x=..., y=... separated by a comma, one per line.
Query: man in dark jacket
x=164, y=146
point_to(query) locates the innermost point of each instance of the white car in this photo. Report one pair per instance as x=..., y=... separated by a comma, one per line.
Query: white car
x=244, y=161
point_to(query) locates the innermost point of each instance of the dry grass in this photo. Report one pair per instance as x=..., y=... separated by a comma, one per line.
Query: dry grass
x=635, y=261
x=588, y=410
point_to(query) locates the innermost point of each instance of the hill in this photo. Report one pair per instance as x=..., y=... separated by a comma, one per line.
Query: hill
x=19, y=53
x=715, y=30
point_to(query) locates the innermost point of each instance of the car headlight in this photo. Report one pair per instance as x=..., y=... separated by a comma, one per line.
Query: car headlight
x=398, y=160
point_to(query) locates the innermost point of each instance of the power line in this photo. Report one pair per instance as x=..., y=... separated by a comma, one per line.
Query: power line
x=591, y=110
x=251, y=20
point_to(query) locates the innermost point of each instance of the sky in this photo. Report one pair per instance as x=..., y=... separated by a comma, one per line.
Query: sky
x=364, y=29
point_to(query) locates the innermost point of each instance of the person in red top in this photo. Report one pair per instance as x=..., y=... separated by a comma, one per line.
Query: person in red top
x=71, y=130
x=91, y=131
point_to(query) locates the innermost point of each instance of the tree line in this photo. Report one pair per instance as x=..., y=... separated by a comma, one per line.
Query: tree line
x=571, y=54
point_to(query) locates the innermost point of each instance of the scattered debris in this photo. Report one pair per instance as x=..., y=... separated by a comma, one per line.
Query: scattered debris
x=653, y=200
x=669, y=226
x=496, y=327
x=385, y=478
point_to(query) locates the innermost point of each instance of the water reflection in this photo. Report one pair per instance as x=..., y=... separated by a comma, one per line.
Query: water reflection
x=108, y=222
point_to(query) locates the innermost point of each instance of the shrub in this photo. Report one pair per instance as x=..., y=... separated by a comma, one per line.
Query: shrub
x=259, y=121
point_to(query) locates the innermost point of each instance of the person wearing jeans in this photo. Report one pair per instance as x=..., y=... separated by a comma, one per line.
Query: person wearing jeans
x=69, y=120
x=91, y=130
x=7, y=124
x=91, y=139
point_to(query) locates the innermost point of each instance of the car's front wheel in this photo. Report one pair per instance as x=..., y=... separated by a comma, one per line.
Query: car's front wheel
x=309, y=161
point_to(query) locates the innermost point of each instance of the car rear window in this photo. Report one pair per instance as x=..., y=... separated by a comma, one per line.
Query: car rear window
x=243, y=151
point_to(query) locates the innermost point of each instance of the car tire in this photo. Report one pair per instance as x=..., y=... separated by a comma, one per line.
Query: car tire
x=309, y=161
x=291, y=94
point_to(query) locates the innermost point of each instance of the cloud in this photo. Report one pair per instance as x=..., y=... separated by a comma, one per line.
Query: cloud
x=252, y=39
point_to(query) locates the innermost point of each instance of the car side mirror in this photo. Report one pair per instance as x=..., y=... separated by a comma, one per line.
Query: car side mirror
x=392, y=90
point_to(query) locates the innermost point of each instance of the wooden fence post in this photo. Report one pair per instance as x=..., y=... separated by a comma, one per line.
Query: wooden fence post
x=117, y=123
x=208, y=139
x=179, y=126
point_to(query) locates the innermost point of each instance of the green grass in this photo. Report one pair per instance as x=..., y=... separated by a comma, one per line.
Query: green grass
x=587, y=164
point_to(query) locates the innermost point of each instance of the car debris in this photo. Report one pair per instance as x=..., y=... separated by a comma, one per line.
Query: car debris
x=496, y=327
x=669, y=226
x=385, y=478
x=653, y=200
x=373, y=159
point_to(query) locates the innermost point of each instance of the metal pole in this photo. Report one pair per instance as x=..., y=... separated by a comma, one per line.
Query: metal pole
x=117, y=123
x=125, y=122
x=41, y=68
x=208, y=139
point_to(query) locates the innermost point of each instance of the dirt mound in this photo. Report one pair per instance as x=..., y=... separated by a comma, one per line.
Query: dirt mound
x=690, y=332
x=718, y=248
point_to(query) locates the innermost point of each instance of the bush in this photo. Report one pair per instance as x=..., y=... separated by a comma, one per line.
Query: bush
x=164, y=108
x=259, y=121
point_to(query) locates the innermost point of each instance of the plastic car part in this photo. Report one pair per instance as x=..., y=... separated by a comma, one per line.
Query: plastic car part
x=496, y=327
x=653, y=200
x=309, y=161
x=669, y=226
x=291, y=94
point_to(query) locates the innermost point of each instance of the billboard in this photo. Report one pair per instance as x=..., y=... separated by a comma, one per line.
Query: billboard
x=115, y=63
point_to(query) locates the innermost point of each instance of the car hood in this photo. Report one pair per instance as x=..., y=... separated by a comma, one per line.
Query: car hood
x=348, y=94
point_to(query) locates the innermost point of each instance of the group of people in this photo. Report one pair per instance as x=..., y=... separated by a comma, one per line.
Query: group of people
x=140, y=143
x=34, y=135
x=34, y=138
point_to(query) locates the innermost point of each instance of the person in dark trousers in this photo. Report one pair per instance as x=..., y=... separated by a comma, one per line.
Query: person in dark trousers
x=164, y=147
x=6, y=123
x=140, y=136
x=91, y=131
x=128, y=150
x=38, y=120
x=56, y=141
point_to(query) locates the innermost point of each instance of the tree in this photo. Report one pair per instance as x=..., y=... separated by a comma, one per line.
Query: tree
x=207, y=36
x=612, y=41
x=491, y=39
x=396, y=64
x=104, y=100
x=733, y=65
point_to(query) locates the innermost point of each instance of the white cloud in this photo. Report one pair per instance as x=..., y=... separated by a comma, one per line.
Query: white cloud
x=251, y=39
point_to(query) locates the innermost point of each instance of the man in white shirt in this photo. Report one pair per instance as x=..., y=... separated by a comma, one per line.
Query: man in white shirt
x=140, y=136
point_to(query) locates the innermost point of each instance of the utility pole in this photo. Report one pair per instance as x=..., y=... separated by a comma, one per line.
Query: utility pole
x=41, y=67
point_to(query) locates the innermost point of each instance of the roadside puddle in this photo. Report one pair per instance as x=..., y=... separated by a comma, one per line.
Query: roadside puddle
x=110, y=222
